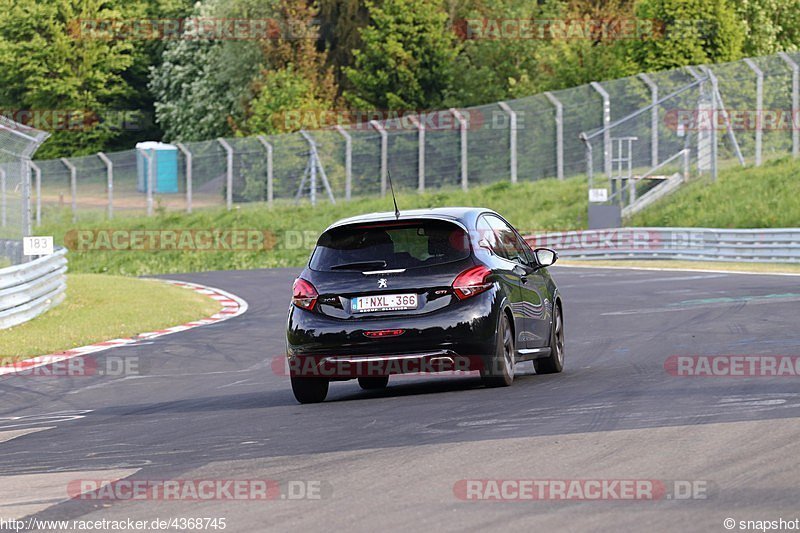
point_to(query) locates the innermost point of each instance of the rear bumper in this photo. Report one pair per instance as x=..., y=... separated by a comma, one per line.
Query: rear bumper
x=458, y=337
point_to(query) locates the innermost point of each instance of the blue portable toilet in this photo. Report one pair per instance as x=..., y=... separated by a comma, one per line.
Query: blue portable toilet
x=165, y=166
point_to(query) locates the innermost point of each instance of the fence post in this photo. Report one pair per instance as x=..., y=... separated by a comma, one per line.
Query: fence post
x=420, y=124
x=462, y=127
x=653, y=118
x=3, y=200
x=714, y=119
x=759, y=106
x=187, y=154
x=268, y=147
x=73, y=186
x=348, y=161
x=228, y=173
x=109, y=182
x=606, y=121
x=559, y=134
x=512, y=139
x=795, y=102
x=25, y=169
x=384, y=153
x=589, y=163
x=38, y=186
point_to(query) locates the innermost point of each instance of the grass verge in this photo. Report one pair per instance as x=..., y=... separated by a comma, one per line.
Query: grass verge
x=546, y=204
x=99, y=308
x=742, y=197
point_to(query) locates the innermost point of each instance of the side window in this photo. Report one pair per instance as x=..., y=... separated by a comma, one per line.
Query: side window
x=487, y=233
x=507, y=240
x=531, y=257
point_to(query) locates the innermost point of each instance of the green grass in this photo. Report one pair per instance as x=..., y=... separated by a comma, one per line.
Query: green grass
x=99, y=308
x=763, y=197
x=742, y=198
x=545, y=204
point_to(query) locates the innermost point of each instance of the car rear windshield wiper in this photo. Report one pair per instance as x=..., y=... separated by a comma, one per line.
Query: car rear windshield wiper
x=359, y=265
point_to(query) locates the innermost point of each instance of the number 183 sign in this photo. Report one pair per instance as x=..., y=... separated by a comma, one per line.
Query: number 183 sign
x=37, y=245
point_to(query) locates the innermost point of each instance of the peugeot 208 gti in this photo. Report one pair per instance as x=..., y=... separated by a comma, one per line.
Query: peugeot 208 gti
x=423, y=291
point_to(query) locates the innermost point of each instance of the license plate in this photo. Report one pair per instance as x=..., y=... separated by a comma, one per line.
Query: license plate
x=383, y=302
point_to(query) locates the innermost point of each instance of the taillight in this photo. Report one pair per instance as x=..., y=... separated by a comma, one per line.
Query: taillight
x=304, y=295
x=471, y=282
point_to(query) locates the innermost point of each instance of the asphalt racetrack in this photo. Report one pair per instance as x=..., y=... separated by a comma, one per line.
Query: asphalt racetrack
x=207, y=404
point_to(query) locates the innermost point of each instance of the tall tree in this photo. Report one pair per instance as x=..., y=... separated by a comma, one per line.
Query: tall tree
x=694, y=31
x=770, y=25
x=407, y=57
x=50, y=63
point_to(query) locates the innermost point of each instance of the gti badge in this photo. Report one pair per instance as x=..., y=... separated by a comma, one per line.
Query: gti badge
x=382, y=283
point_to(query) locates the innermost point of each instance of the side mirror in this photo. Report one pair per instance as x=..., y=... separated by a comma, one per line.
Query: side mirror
x=545, y=256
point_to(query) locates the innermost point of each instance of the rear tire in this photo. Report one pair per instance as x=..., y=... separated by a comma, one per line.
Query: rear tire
x=501, y=367
x=554, y=363
x=375, y=383
x=309, y=390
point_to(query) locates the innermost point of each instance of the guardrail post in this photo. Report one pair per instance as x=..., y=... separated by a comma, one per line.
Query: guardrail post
x=606, y=121
x=795, y=102
x=420, y=124
x=73, y=186
x=268, y=147
x=38, y=187
x=228, y=173
x=512, y=139
x=3, y=199
x=384, y=152
x=653, y=117
x=109, y=182
x=187, y=154
x=462, y=127
x=759, y=106
x=348, y=161
x=559, y=134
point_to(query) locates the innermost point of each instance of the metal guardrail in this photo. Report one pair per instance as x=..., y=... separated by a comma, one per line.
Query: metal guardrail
x=29, y=289
x=693, y=244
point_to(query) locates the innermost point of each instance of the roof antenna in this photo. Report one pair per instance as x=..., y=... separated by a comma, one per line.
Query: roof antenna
x=394, y=199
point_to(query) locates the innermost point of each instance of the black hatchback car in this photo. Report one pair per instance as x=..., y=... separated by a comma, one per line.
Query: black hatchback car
x=429, y=290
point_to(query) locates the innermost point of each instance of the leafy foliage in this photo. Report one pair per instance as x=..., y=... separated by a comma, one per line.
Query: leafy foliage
x=406, y=61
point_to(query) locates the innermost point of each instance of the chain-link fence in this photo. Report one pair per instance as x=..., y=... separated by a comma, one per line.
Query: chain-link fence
x=17, y=144
x=637, y=131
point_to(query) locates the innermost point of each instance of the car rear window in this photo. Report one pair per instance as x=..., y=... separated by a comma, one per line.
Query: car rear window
x=406, y=244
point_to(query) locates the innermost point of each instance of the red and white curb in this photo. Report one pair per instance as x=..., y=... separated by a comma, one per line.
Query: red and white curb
x=232, y=306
